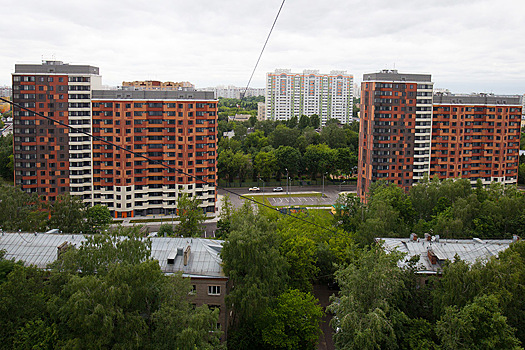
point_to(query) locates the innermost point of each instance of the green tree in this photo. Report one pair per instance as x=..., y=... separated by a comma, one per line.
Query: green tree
x=225, y=217
x=254, y=142
x=346, y=161
x=283, y=136
x=333, y=136
x=293, y=321
x=191, y=217
x=315, y=121
x=225, y=165
x=6, y=157
x=241, y=165
x=165, y=230
x=288, y=158
x=304, y=122
x=479, y=325
x=292, y=122
x=256, y=269
x=20, y=210
x=366, y=312
x=98, y=219
x=265, y=164
x=68, y=213
x=319, y=159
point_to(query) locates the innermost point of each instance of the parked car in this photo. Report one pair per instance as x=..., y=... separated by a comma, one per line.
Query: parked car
x=278, y=189
x=254, y=189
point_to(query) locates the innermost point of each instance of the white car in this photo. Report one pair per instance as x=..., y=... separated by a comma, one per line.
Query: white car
x=254, y=189
x=278, y=189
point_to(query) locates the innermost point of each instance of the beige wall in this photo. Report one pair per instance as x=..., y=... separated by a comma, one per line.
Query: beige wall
x=201, y=296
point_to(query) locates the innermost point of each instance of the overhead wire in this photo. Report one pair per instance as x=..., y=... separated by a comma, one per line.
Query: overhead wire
x=155, y=161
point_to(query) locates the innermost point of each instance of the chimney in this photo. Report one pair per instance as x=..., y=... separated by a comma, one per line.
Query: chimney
x=432, y=257
x=515, y=238
x=187, y=252
x=61, y=249
x=413, y=237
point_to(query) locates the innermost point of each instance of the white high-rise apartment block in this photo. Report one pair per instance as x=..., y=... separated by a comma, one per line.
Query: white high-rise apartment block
x=330, y=96
x=231, y=91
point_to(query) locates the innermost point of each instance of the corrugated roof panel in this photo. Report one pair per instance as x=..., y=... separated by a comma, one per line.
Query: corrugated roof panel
x=41, y=249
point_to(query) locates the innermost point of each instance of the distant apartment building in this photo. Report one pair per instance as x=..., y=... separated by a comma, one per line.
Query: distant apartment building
x=175, y=128
x=231, y=91
x=5, y=91
x=155, y=85
x=330, y=96
x=407, y=132
x=261, y=111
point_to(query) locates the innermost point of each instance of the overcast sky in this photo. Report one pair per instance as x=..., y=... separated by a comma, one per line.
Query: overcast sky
x=467, y=45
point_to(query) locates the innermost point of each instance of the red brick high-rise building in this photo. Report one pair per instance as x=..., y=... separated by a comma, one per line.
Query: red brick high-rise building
x=395, y=129
x=407, y=132
x=176, y=128
x=476, y=137
x=49, y=159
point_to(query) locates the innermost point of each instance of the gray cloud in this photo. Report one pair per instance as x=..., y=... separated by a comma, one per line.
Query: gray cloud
x=467, y=45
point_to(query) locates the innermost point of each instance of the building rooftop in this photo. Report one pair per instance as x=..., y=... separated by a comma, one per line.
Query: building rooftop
x=203, y=258
x=55, y=67
x=434, y=252
x=393, y=75
x=485, y=99
x=151, y=95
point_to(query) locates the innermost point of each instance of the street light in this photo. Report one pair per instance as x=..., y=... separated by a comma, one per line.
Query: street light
x=340, y=185
x=323, y=181
x=287, y=195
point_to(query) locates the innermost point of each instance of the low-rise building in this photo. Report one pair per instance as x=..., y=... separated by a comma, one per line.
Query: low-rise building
x=198, y=259
x=152, y=85
x=433, y=252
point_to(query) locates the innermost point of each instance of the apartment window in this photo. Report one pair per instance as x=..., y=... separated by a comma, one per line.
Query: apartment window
x=214, y=290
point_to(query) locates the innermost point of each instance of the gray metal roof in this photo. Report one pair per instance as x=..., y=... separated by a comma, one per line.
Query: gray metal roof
x=41, y=250
x=468, y=250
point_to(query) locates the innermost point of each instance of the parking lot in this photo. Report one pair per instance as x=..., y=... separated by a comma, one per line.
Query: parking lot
x=331, y=192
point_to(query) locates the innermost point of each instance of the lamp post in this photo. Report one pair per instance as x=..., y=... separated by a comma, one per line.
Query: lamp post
x=323, y=182
x=287, y=195
x=340, y=185
x=263, y=187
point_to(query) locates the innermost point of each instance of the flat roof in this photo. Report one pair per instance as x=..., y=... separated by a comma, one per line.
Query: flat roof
x=484, y=99
x=393, y=75
x=41, y=249
x=55, y=67
x=151, y=95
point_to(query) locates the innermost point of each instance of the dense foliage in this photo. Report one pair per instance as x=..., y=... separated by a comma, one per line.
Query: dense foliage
x=449, y=208
x=381, y=306
x=294, y=147
x=26, y=212
x=108, y=293
x=6, y=157
x=273, y=307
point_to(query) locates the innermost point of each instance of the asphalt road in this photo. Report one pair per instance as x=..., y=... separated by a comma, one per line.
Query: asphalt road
x=331, y=193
